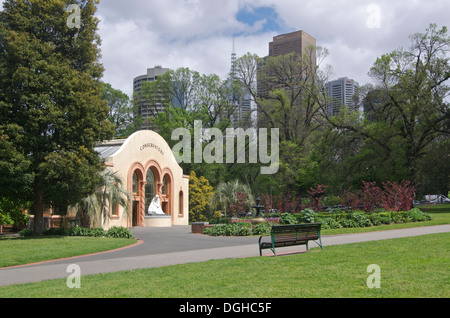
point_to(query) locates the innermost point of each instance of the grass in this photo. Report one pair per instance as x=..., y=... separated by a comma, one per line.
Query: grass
x=18, y=251
x=410, y=268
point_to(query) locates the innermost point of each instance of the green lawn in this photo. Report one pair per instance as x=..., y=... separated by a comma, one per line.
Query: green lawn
x=18, y=251
x=410, y=267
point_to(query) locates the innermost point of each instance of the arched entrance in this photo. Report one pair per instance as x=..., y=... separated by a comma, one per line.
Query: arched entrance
x=167, y=193
x=144, y=184
x=136, y=188
x=150, y=188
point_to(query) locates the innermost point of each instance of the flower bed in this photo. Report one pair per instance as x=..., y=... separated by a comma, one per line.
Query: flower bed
x=330, y=220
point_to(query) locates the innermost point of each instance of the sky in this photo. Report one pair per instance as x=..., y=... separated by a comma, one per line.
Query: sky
x=198, y=34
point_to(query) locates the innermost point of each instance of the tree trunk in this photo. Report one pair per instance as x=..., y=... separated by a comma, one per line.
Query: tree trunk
x=38, y=209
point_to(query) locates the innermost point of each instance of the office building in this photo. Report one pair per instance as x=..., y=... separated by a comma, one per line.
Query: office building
x=298, y=42
x=342, y=92
x=145, y=108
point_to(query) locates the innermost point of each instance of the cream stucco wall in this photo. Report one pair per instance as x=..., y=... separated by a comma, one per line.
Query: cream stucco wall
x=148, y=150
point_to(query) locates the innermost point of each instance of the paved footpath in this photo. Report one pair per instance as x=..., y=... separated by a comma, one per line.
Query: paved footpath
x=177, y=245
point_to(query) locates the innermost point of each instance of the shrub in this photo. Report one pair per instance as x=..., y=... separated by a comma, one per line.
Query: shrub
x=119, y=232
x=314, y=195
x=98, y=232
x=379, y=219
x=232, y=229
x=26, y=232
x=79, y=231
x=397, y=217
x=309, y=216
x=288, y=218
x=416, y=215
x=361, y=219
x=332, y=200
x=262, y=229
x=330, y=223
x=348, y=223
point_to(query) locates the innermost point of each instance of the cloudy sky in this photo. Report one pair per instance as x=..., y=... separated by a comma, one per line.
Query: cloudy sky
x=138, y=34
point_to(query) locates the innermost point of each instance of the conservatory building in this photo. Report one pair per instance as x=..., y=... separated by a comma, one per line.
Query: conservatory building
x=153, y=178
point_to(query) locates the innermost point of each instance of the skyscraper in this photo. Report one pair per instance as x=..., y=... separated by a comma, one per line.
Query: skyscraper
x=295, y=42
x=244, y=114
x=144, y=108
x=342, y=92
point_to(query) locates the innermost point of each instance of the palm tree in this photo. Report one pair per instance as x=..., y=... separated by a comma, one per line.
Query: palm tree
x=226, y=194
x=98, y=206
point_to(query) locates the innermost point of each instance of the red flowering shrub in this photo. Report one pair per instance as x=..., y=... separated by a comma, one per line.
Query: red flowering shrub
x=314, y=196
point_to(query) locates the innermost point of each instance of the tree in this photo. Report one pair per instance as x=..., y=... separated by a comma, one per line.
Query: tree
x=108, y=196
x=50, y=101
x=121, y=111
x=295, y=83
x=229, y=196
x=412, y=108
x=200, y=194
x=292, y=104
x=190, y=94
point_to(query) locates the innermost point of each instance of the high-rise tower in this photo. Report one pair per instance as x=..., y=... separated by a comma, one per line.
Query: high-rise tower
x=298, y=42
x=342, y=92
x=144, y=108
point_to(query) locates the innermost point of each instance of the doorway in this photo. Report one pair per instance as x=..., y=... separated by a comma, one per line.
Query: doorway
x=135, y=213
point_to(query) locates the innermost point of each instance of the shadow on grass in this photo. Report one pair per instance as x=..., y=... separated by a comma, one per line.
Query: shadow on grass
x=21, y=238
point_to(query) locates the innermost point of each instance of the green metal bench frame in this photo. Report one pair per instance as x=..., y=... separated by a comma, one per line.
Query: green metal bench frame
x=292, y=235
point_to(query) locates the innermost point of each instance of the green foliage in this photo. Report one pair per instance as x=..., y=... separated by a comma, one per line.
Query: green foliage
x=288, y=218
x=114, y=232
x=231, y=229
x=330, y=223
x=232, y=197
x=5, y=219
x=309, y=216
x=51, y=110
x=380, y=218
x=360, y=219
x=26, y=233
x=263, y=229
x=121, y=111
x=416, y=215
x=79, y=231
x=97, y=207
x=200, y=194
x=119, y=232
x=12, y=213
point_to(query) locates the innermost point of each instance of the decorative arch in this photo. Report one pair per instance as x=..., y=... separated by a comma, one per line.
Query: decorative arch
x=136, y=217
x=152, y=168
x=168, y=198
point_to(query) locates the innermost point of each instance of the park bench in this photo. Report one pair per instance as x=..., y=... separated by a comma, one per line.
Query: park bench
x=291, y=235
